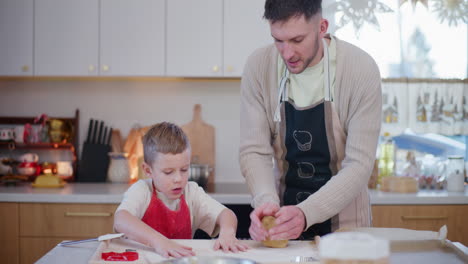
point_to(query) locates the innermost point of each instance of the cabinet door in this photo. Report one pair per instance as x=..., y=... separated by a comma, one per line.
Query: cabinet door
x=65, y=220
x=194, y=38
x=16, y=41
x=66, y=37
x=132, y=37
x=244, y=31
x=33, y=248
x=9, y=233
x=424, y=217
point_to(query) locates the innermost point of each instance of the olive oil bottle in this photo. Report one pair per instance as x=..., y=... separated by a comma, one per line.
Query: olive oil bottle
x=387, y=156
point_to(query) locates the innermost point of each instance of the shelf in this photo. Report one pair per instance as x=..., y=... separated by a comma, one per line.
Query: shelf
x=71, y=146
x=4, y=145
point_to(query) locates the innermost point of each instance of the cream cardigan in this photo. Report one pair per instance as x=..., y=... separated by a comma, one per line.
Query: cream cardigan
x=356, y=122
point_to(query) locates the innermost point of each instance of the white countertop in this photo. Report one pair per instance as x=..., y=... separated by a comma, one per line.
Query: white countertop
x=226, y=193
x=82, y=253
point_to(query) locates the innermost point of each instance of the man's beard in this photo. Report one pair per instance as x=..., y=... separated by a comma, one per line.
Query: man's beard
x=308, y=60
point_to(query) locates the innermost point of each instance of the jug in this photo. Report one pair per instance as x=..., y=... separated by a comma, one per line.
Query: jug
x=455, y=174
x=119, y=170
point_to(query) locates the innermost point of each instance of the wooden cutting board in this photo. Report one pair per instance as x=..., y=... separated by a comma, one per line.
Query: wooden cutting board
x=202, y=140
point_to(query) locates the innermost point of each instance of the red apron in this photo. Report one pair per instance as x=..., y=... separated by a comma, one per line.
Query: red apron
x=172, y=224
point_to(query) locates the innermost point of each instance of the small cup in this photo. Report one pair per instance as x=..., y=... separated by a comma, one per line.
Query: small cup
x=7, y=134
x=19, y=134
x=64, y=168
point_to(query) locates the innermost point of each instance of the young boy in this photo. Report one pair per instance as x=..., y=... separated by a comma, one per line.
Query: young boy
x=166, y=206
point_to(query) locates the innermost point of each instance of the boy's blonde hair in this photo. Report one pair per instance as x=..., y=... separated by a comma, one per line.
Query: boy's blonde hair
x=164, y=138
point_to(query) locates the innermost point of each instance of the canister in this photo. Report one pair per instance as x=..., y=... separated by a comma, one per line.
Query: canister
x=455, y=174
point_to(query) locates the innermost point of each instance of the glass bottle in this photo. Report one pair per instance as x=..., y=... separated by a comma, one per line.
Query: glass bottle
x=386, y=157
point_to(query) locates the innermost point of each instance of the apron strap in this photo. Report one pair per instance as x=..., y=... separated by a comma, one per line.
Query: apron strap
x=282, y=95
x=326, y=72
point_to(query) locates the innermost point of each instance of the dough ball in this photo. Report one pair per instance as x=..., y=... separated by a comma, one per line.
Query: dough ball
x=269, y=222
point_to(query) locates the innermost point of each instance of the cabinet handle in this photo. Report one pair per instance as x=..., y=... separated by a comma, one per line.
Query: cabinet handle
x=105, y=68
x=215, y=68
x=91, y=68
x=407, y=218
x=230, y=68
x=25, y=68
x=94, y=214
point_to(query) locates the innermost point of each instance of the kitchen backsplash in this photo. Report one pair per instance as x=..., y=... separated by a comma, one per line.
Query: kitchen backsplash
x=124, y=104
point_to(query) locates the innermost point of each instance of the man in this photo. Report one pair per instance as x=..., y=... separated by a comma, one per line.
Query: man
x=310, y=120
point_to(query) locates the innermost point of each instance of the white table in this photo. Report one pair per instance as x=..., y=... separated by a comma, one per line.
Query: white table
x=81, y=253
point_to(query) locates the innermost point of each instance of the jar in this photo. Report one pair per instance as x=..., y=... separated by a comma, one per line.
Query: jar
x=119, y=170
x=455, y=174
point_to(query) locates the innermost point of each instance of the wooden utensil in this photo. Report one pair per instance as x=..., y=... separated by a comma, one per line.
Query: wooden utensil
x=116, y=141
x=202, y=141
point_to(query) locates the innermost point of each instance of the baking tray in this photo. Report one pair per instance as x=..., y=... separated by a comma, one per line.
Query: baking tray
x=426, y=251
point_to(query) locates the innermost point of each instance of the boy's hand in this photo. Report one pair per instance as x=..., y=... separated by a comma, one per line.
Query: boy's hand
x=229, y=243
x=168, y=248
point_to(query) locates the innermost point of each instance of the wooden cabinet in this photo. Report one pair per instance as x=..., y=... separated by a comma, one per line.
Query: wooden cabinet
x=424, y=217
x=194, y=38
x=16, y=41
x=66, y=37
x=132, y=38
x=30, y=230
x=9, y=233
x=244, y=31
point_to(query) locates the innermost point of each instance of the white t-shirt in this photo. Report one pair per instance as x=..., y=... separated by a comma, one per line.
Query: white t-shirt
x=306, y=88
x=204, y=210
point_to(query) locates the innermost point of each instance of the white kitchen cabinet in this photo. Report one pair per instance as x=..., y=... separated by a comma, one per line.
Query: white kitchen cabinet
x=132, y=38
x=194, y=38
x=66, y=37
x=213, y=38
x=244, y=31
x=16, y=37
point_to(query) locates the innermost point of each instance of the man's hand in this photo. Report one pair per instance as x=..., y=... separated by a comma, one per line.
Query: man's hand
x=256, y=230
x=290, y=223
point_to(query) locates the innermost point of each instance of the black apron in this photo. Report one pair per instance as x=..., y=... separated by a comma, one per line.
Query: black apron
x=307, y=150
x=308, y=158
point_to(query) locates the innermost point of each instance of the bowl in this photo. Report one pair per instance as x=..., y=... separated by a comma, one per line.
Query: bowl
x=209, y=260
x=28, y=168
x=199, y=173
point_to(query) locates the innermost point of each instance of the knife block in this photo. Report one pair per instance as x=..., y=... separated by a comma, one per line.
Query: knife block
x=94, y=163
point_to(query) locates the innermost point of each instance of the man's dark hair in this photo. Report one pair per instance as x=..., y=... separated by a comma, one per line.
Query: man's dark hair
x=282, y=10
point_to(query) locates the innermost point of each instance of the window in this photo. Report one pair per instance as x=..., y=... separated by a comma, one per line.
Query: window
x=408, y=40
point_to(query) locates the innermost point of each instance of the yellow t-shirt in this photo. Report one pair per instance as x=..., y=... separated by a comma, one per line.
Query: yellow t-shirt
x=306, y=88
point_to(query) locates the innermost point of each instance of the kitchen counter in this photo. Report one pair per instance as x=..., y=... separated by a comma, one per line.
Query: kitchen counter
x=112, y=193
x=226, y=193
x=82, y=253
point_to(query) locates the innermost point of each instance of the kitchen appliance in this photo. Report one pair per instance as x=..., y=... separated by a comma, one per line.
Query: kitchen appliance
x=202, y=142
